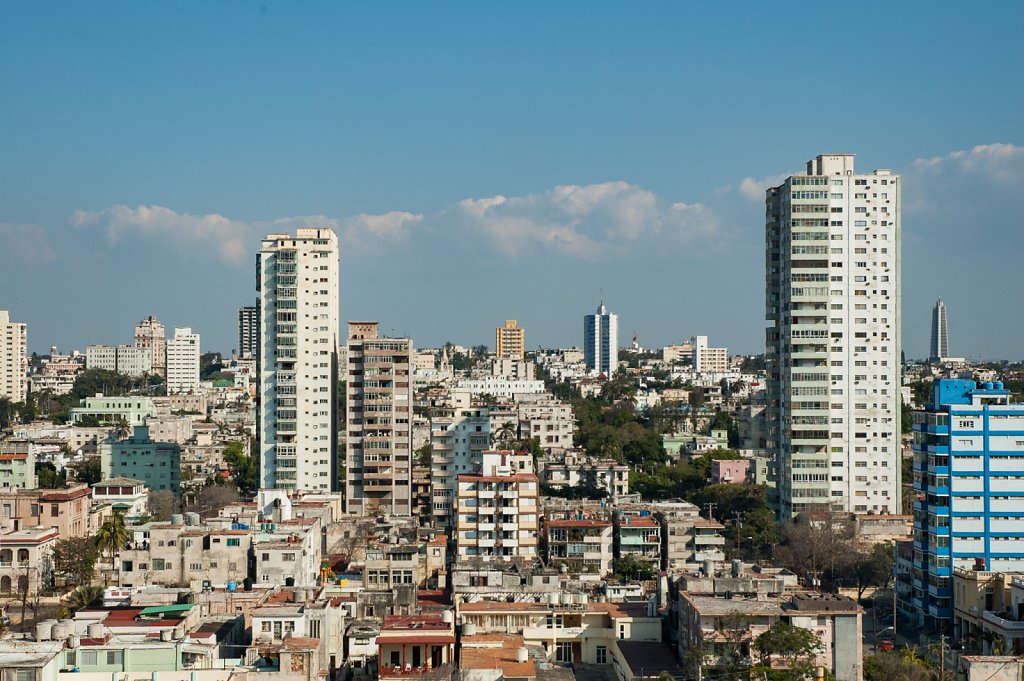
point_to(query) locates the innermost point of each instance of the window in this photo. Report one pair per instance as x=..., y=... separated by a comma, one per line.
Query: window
x=288, y=557
x=88, y=658
x=115, y=656
x=234, y=542
x=601, y=654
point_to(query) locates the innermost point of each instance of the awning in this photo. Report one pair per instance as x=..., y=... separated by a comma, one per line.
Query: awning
x=165, y=609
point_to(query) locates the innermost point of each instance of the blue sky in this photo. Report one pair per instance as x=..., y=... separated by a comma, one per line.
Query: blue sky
x=484, y=161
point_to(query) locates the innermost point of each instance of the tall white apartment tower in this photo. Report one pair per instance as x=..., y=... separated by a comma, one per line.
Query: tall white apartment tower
x=297, y=284
x=378, y=418
x=183, y=362
x=13, y=358
x=833, y=347
x=601, y=341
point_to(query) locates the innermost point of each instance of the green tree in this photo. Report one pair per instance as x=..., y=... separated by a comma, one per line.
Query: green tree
x=795, y=647
x=630, y=567
x=48, y=477
x=425, y=454
x=505, y=435
x=74, y=560
x=865, y=569
x=90, y=471
x=84, y=596
x=112, y=536
x=892, y=666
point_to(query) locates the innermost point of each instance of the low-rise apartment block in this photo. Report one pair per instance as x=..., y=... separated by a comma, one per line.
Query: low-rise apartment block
x=497, y=512
x=25, y=559
x=583, y=546
x=64, y=510
x=718, y=625
x=157, y=464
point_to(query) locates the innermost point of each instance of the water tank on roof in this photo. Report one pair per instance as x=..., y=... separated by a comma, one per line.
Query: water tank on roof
x=61, y=630
x=468, y=629
x=44, y=630
x=988, y=385
x=74, y=640
x=999, y=385
x=177, y=519
x=95, y=630
x=553, y=599
x=232, y=585
x=192, y=519
x=522, y=655
x=447, y=616
x=246, y=584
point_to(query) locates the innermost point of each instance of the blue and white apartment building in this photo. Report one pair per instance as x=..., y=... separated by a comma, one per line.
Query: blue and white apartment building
x=969, y=492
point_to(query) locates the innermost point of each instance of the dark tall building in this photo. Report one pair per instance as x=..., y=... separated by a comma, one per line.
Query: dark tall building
x=940, y=337
x=248, y=333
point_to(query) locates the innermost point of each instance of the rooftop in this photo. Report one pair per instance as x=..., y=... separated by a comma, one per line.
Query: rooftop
x=496, y=651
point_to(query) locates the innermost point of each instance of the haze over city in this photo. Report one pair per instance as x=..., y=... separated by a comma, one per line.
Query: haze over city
x=491, y=162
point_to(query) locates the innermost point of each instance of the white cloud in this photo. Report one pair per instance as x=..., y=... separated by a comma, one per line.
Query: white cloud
x=232, y=239
x=579, y=221
x=1002, y=162
x=753, y=189
x=584, y=221
x=235, y=241
x=25, y=242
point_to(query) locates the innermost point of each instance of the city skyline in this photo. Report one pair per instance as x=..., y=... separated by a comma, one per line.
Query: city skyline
x=642, y=173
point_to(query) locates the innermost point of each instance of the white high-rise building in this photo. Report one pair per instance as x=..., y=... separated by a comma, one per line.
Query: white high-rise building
x=833, y=349
x=13, y=358
x=297, y=283
x=183, y=362
x=378, y=417
x=601, y=341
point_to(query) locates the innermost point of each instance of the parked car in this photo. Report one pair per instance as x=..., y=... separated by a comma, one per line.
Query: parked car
x=886, y=646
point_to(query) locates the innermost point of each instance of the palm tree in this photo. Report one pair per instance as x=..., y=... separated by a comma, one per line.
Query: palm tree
x=112, y=536
x=84, y=596
x=504, y=435
x=121, y=429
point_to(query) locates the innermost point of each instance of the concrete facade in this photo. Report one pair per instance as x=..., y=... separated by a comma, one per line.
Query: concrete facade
x=297, y=282
x=833, y=347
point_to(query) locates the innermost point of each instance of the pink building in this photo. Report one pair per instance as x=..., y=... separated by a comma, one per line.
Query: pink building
x=735, y=471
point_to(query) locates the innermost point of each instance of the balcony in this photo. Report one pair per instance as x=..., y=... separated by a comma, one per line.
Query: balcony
x=1004, y=624
x=442, y=672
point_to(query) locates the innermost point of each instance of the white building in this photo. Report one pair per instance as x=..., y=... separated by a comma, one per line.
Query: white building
x=458, y=439
x=709, y=360
x=498, y=509
x=13, y=358
x=833, y=350
x=125, y=359
x=378, y=477
x=183, y=362
x=601, y=341
x=499, y=386
x=149, y=334
x=297, y=280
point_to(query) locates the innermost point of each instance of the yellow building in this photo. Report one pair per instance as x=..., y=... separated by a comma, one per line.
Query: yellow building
x=510, y=340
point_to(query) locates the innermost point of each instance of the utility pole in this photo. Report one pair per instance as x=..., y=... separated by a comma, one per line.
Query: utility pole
x=942, y=656
x=710, y=507
x=738, y=524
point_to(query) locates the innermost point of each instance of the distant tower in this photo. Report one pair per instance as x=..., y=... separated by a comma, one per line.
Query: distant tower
x=248, y=332
x=149, y=333
x=510, y=340
x=601, y=341
x=940, y=338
